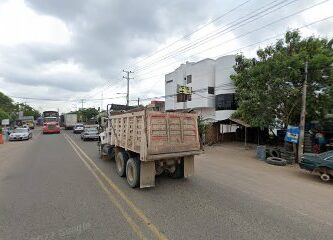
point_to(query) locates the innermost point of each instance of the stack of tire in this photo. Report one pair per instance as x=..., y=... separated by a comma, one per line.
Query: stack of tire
x=274, y=157
x=307, y=143
x=288, y=156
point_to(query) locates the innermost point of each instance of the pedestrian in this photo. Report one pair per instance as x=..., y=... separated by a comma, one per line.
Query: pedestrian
x=6, y=133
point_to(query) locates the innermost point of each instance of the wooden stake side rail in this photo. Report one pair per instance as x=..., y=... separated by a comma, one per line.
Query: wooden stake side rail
x=151, y=133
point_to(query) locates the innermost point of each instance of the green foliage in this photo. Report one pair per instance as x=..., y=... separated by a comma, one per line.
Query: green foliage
x=27, y=110
x=6, y=103
x=203, y=125
x=87, y=113
x=269, y=87
x=9, y=109
x=3, y=115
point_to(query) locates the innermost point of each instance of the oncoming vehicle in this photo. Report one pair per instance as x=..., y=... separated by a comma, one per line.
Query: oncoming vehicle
x=51, y=122
x=31, y=124
x=20, y=134
x=90, y=133
x=321, y=164
x=78, y=128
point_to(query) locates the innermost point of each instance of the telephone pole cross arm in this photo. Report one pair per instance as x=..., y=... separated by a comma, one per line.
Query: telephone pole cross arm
x=128, y=78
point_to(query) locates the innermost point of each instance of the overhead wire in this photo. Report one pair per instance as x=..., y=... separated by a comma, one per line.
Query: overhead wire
x=227, y=28
x=249, y=32
x=199, y=27
x=266, y=39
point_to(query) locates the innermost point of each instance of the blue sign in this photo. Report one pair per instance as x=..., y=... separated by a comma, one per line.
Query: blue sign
x=292, y=134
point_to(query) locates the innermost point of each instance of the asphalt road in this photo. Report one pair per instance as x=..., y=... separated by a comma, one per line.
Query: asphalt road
x=56, y=187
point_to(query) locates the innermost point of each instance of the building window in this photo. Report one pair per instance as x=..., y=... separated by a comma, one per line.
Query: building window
x=189, y=79
x=225, y=102
x=211, y=90
x=181, y=97
x=169, y=81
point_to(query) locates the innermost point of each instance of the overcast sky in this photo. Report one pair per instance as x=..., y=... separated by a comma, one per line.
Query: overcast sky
x=76, y=49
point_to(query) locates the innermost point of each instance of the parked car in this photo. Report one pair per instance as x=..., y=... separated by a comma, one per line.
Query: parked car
x=20, y=134
x=321, y=164
x=78, y=128
x=90, y=134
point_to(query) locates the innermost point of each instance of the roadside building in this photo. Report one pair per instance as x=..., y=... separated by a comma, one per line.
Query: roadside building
x=156, y=106
x=204, y=87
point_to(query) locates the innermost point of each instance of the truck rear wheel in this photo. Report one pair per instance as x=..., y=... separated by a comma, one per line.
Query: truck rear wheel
x=121, y=161
x=179, y=171
x=133, y=172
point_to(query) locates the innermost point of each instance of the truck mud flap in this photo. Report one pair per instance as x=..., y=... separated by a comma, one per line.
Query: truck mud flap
x=147, y=174
x=188, y=166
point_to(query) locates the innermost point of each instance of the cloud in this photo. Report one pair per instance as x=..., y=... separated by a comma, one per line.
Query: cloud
x=84, y=45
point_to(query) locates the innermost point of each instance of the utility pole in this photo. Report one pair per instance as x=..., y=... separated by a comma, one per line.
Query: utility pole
x=128, y=78
x=102, y=102
x=303, y=113
x=82, y=100
x=138, y=101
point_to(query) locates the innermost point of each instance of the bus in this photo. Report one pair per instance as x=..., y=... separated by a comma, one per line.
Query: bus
x=51, y=122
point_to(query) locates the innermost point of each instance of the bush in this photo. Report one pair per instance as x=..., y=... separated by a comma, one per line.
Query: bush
x=0, y=130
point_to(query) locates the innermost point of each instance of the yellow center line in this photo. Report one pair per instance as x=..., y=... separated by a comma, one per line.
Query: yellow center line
x=130, y=221
x=135, y=209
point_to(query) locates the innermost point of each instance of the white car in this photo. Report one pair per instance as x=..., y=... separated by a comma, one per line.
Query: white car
x=90, y=134
x=78, y=128
x=20, y=134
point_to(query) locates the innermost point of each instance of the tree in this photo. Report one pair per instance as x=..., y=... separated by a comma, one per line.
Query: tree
x=6, y=103
x=27, y=110
x=268, y=87
x=87, y=113
x=8, y=108
x=3, y=115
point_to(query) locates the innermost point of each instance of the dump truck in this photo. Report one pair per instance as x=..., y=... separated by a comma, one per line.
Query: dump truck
x=147, y=143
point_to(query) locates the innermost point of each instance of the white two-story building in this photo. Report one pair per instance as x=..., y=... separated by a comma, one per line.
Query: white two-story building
x=213, y=92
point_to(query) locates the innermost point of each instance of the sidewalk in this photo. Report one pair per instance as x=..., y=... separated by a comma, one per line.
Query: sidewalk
x=289, y=187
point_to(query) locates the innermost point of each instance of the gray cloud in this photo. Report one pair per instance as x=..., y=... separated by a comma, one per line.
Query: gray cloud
x=106, y=35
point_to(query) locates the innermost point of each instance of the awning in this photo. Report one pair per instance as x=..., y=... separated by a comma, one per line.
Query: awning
x=240, y=122
x=236, y=121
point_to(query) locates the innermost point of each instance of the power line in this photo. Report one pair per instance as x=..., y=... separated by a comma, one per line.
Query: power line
x=256, y=43
x=230, y=86
x=64, y=100
x=257, y=29
x=224, y=86
x=230, y=27
x=197, y=30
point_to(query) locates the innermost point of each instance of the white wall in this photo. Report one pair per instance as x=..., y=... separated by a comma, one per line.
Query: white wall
x=223, y=70
x=170, y=88
x=206, y=113
x=205, y=73
x=203, y=76
x=223, y=114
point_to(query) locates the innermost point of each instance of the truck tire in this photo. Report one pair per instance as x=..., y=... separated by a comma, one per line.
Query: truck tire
x=111, y=153
x=121, y=161
x=276, y=161
x=133, y=172
x=179, y=171
x=100, y=149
